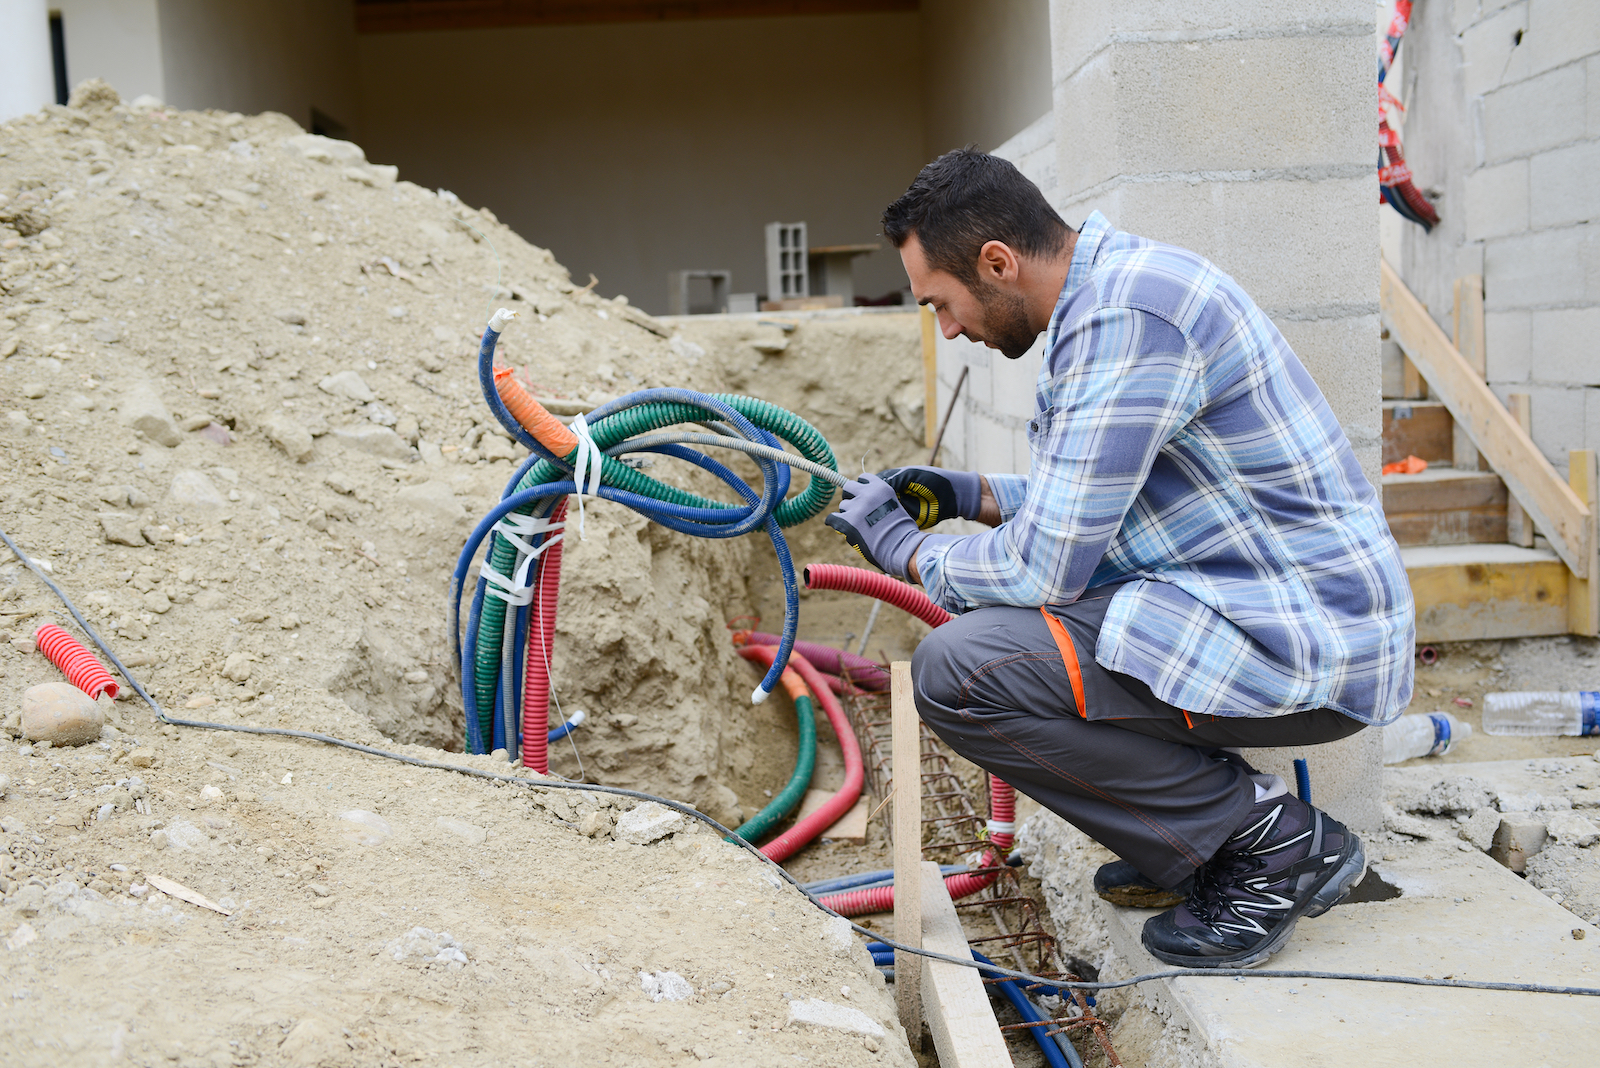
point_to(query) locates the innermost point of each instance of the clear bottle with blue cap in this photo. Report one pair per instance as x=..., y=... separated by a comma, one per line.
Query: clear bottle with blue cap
x=1423, y=734
x=1573, y=713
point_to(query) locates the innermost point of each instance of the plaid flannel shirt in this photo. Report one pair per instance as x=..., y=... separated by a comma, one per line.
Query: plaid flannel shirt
x=1181, y=449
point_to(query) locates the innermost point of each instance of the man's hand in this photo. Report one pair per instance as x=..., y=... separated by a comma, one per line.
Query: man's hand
x=876, y=526
x=933, y=494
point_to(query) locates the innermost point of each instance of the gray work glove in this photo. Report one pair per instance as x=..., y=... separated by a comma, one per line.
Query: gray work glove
x=934, y=494
x=876, y=526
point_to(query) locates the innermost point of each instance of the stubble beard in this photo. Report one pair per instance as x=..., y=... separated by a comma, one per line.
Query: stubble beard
x=1005, y=321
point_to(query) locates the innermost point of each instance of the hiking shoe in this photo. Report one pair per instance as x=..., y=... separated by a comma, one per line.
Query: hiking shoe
x=1285, y=861
x=1122, y=884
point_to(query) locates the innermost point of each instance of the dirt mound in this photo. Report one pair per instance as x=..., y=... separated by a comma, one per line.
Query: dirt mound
x=241, y=424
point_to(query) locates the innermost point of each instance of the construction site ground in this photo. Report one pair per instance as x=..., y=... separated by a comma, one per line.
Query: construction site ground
x=240, y=423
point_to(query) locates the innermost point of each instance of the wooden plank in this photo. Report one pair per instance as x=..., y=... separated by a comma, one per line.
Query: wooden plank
x=1417, y=428
x=1461, y=526
x=1412, y=385
x=1554, y=506
x=1583, y=594
x=1468, y=338
x=906, y=769
x=851, y=827
x=1519, y=528
x=1443, y=490
x=1473, y=593
x=965, y=1031
x=930, y=374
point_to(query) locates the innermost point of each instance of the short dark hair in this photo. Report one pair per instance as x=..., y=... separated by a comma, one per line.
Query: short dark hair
x=965, y=199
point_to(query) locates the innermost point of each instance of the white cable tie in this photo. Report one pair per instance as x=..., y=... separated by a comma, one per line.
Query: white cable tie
x=515, y=529
x=996, y=827
x=510, y=591
x=588, y=462
x=498, y=321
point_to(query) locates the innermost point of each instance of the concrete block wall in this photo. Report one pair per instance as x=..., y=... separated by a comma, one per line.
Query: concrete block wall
x=1247, y=134
x=1503, y=129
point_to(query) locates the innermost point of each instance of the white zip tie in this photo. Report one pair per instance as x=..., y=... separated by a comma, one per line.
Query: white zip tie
x=517, y=589
x=588, y=460
x=996, y=827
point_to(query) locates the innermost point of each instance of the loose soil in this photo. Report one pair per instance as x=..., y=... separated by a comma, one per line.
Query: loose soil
x=242, y=427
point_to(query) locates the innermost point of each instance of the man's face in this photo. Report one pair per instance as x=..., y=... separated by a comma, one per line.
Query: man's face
x=991, y=313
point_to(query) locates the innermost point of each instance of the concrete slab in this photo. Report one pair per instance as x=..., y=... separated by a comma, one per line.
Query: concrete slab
x=1460, y=916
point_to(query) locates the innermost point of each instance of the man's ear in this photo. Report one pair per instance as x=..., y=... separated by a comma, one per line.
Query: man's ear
x=997, y=263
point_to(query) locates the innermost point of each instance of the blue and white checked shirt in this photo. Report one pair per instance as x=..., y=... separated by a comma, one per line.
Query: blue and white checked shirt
x=1181, y=448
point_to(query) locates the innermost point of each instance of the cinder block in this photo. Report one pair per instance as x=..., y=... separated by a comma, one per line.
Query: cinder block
x=1508, y=345
x=1079, y=30
x=1316, y=112
x=1564, y=184
x=1497, y=200
x=1083, y=103
x=1563, y=344
x=1518, y=838
x=1329, y=262
x=1560, y=31
x=1535, y=114
x=1591, y=418
x=993, y=449
x=1490, y=55
x=1540, y=268
x=1015, y=381
x=1592, y=79
x=1558, y=421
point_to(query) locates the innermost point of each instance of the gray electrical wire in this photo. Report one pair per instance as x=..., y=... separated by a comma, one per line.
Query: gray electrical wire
x=728, y=835
x=767, y=452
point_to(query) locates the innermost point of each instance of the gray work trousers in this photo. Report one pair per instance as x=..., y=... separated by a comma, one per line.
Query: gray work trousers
x=1147, y=780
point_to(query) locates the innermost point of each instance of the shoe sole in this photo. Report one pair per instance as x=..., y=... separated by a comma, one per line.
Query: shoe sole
x=1351, y=869
x=1130, y=897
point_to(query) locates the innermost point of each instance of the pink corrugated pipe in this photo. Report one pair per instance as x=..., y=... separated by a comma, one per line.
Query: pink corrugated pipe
x=866, y=674
x=76, y=663
x=902, y=595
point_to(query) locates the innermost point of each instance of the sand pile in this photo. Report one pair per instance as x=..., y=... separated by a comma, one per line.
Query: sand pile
x=240, y=422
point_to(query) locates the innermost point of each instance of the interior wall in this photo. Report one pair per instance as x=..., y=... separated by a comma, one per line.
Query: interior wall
x=986, y=70
x=117, y=41
x=262, y=55
x=635, y=149
x=27, y=81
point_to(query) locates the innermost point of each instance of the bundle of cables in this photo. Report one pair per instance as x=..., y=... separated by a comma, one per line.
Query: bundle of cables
x=1395, y=186
x=505, y=652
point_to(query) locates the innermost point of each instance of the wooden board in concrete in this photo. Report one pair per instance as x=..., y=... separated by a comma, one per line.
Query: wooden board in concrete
x=1476, y=592
x=906, y=748
x=851, y=827
x=965, y=1032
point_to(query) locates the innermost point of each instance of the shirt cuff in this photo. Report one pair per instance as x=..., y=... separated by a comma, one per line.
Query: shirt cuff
x=1010, y=491
x=930, y=556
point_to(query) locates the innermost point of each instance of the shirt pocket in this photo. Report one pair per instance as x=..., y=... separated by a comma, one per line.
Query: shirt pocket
x=1039, y=425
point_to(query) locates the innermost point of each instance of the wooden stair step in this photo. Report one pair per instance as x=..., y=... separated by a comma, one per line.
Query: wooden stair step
x=1445, y=506
x=1476, y=592
x=1417, y=428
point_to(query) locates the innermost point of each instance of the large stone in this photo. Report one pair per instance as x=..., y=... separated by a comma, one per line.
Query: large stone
x=120, y=528
x=194, y=489
x=325, y=149
x=1518, y=838
x=61, y=714
x=1569, y=828
x=647, y=822
x=287, y=434
x=818, y=1013
x=349, y=385
x=142, y=408
x=377, y=440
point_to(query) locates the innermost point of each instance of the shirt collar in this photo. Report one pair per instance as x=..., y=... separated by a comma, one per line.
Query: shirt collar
x=1094, y=231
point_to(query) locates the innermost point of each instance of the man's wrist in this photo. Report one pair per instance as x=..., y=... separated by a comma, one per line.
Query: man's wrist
x=988, y=505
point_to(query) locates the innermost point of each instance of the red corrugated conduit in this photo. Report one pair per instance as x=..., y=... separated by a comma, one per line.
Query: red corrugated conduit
x=536, y=675
x=76, y=663
x=902, y=595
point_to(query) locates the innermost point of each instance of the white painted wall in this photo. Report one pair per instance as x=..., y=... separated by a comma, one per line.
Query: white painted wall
x=1508, y=134
x=27, y=78
x=117, y=41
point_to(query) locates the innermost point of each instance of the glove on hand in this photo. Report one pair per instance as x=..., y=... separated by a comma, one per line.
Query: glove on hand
x=933, y=494
x=876, y=526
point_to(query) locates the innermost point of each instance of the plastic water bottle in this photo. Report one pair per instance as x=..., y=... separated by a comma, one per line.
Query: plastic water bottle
x=1423, y=734
x=1574, y=712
